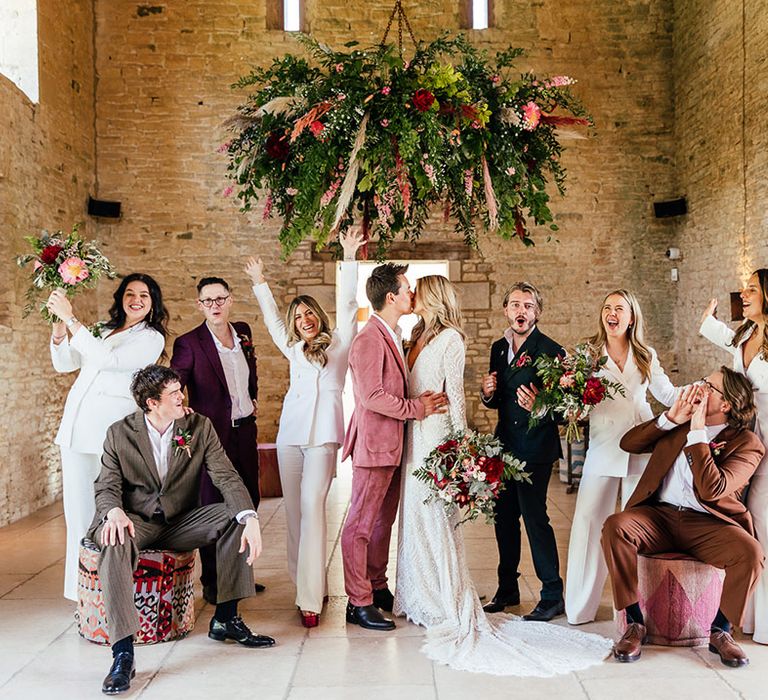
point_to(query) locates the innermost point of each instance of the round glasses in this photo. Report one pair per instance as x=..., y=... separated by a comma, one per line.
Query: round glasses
x=219, y=301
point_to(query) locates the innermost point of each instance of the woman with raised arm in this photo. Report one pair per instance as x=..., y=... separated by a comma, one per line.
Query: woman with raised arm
x=312, y=421
x=607, y=468
x=133, y=337
x=749, y=346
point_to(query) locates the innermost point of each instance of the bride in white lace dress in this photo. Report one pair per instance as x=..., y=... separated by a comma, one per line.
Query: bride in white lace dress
x=434, y=588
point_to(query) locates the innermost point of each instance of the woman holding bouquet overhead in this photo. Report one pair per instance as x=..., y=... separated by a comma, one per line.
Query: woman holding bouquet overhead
x=631, y=364
x=133, y=337
x=434, y=588
x=749, y=346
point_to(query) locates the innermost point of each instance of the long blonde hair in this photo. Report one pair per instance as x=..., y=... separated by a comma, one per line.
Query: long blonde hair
x=744, y=328
x=635, y=332
x=315, y=350
x=439, y=296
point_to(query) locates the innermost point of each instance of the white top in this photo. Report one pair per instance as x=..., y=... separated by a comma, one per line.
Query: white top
x=509, y=334
x=677, y=487
x=312, y=409
x=396, y=334
x=236, y=373
x=718, y=333
x=161, y=444
x=611, y=418
x=101, y=394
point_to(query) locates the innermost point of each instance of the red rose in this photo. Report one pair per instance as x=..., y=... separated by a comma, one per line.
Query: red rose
x=277, y=146
x=316, y=127
x=50, y=253
x=423, y=100
x=594, y=392
x=494, y=470
x=447, y=446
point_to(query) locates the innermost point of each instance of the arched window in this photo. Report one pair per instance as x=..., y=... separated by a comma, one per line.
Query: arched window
x=476, y=14
x=286, y=15
x=18, y=45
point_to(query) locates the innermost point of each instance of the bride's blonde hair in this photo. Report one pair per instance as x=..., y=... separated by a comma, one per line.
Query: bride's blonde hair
x=438, y=295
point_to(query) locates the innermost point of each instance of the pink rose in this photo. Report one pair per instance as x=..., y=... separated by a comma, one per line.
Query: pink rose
x=73, y=270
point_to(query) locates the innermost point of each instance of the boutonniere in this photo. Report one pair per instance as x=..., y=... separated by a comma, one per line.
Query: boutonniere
x=524, y=360
x=246, y=344
x=96, y=329
x=716, y=447
x=182, y=441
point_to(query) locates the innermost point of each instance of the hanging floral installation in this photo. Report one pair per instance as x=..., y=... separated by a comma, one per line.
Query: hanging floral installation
x=372, y=135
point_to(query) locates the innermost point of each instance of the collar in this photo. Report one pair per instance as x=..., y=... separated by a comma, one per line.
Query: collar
x=509, y=336
x=397, y=333
x=154, y=431
x=219, y=346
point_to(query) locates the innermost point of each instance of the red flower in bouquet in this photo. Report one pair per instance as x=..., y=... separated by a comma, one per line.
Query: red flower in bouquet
x=423, y=100
x=277, y=146
x=317, y=127
x=594, y=392
x=494, y=469
x=447, y=446
x=50, y=253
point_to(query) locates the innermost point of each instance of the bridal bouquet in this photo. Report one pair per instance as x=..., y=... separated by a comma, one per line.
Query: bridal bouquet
x=63, y=261
x=571, y=388
x=468, y=471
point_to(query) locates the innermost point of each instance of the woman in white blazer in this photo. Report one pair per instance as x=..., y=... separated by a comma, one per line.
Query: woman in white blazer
x=312, y=420
x=749, y=347
x=133, y=338
x=607, y=467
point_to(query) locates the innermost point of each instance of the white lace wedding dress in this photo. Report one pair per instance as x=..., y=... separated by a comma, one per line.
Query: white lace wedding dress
x=434, y=588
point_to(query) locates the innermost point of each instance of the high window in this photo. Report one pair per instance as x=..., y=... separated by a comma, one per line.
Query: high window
x=18, y=45
x=476, y=14
x=286, y=15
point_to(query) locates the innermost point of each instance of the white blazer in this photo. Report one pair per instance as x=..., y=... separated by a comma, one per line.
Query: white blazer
x=718, y=333
x=101, y=394
x=610, y=419
x=312, y=409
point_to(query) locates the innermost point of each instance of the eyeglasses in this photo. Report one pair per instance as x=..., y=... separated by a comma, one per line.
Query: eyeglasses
x=219, y=301
x=709, y=384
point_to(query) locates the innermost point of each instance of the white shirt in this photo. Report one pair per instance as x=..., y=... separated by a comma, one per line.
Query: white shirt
x=509, y=334
x=677, y=487
x=236, y=373
x=396, y=335
x=161, y=445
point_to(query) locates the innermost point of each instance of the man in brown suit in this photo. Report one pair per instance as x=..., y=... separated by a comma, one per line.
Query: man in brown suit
x=689, y=500
x=147, y=496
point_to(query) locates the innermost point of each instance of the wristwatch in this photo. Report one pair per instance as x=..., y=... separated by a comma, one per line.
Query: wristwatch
x=71, y=322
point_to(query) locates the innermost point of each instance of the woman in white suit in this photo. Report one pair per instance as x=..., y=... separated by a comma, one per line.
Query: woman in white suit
x=133, y=337
x=312, y=420
x=607, y=467
x=749, y=347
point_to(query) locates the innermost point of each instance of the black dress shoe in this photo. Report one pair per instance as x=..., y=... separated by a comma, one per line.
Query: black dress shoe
x=236, y=630
x=259, y=587
x=369, y=617
x=118, y=679
x=383, y=599
x=499, y=602
x=546, y=610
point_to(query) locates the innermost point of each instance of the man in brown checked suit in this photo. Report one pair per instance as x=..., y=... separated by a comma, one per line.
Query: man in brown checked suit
x=147, y=496
x=689, y=500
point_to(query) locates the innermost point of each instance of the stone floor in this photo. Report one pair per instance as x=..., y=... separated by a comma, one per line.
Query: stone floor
x=41, y=654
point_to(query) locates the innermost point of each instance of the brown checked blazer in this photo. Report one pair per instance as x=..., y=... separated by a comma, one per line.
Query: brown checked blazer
x=129, y=477
x=718, y=480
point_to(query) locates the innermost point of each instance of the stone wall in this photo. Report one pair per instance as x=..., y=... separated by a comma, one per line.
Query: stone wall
x=721, y=98
x=47, y=161
x=163, y=92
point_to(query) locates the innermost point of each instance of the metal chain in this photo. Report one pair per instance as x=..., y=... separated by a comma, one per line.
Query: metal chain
x=401, y=17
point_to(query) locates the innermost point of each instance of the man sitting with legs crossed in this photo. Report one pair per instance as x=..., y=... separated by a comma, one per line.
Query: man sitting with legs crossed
x=147, y=496
x=689, y=500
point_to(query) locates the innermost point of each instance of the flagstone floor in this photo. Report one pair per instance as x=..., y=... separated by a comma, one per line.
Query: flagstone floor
x=42, y=656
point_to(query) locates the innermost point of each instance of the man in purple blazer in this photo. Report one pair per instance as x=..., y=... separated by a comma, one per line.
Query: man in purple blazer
x=217, y=365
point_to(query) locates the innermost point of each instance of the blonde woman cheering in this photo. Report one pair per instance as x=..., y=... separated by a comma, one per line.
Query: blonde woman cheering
x=312, y=420
x=607, y=467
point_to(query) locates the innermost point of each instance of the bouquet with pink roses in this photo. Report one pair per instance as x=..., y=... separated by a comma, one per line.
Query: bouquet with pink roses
x=571, y=388
x=64, y=261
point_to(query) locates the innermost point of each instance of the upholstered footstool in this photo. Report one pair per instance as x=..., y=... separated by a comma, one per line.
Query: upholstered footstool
x=679, y=597
x=163, y=585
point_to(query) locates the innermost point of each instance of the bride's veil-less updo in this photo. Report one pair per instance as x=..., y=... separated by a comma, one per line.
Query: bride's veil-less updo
x=437, y=294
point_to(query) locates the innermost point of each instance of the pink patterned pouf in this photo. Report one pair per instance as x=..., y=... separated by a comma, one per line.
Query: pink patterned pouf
x=163, y=585
x=679, y=597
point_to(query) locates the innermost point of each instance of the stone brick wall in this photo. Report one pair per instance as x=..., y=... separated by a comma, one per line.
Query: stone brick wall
x=163, y=93
x=47, y=160
x=721, y=97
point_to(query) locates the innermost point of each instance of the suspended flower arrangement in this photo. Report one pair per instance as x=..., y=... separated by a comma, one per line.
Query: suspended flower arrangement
x=368, y=134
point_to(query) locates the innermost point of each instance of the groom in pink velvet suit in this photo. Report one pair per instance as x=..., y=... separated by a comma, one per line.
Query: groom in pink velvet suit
x=375, y=441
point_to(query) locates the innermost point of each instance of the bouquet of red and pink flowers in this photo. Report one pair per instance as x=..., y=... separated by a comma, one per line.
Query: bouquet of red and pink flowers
x=571, y=388
x=468, y=471
x=63, y=261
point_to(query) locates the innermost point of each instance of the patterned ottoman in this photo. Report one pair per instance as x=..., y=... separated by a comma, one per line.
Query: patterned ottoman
x=163, y=591
x=679, y=597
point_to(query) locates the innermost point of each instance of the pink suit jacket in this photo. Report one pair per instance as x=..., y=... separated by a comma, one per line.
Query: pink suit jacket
x=380, y=384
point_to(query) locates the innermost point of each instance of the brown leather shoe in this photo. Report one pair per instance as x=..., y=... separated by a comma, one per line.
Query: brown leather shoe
x=730, y=653
x=627, y=649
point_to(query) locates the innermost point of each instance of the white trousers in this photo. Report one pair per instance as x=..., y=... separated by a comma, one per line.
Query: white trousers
x=586, y=573
x=78, y=472
x=306, y=474
x=756, y=614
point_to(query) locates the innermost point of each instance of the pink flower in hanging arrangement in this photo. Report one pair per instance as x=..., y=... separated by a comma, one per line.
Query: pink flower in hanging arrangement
x=224, y=147
x=317, y=127
x=423, y=100
x=531, y=116
x=291, y=191
x=268, y=204
x=228, y=191
x=339, y=67
x=73, y=270
x=384, y=123
x=468, y=181
x=386, y=90
x=559, y=81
